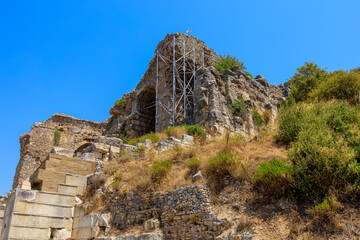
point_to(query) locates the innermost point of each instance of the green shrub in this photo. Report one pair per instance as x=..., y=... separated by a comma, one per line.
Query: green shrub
x=274, y=178
x=219, y=167
x=339, y=85
x=306, y=79
x=239, y=107
x=193, y=164
x=226, y=62
x=120, y=103
x=124, y=138
x=151, y=136
x=57, y=137
x=258, y=119
x=327, y=204
x=196, y=131
x=159, y=170
x=323, y=136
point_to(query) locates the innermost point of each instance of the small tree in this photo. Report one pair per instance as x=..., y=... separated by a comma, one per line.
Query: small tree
x=227, y=62
x=307, y=78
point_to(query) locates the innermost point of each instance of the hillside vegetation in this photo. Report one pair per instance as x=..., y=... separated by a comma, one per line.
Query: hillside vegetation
x=299, y=180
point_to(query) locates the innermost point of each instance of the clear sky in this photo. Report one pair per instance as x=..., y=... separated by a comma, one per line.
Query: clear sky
x=78, y=57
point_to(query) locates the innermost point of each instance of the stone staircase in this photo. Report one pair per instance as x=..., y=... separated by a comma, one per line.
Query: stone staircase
x=47, y=206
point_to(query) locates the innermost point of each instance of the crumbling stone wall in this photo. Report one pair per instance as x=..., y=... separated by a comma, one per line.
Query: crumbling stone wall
x=183, y=213
x=36, y=144
x=213, y=94
x=128, y=119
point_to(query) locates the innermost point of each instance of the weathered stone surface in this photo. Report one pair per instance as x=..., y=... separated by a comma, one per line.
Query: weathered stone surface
x=100, y=147
x=62, y=151
x=62, y=234
x=36, y=144
x=112, y=141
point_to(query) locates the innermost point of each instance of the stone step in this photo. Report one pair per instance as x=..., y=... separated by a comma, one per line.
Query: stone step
x=67, y=189
x=77, y=180
x=55, y=198
x=50, y=210
x=29, y=233
x=40, y=221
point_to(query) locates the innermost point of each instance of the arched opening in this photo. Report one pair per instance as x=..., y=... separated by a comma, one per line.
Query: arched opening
x=147, y=110
x=78, y=151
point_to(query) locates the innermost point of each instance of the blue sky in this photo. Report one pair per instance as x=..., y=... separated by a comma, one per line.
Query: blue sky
x=78, y=57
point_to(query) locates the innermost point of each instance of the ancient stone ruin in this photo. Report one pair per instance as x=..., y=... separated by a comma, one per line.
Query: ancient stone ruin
x=59, y=156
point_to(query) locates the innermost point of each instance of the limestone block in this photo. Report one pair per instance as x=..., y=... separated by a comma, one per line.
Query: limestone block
x=25, y=232
x=187, y=139
x=25, y=185
x=62, y=151
x=93, y=156
x=128, y=148
x=101, y=147
x=112, y=141
x=147, y=143
x=44, y=210
x=62, y=234
x=114, y=150
x=25, y=195
x=54, y=198
x=67, y=189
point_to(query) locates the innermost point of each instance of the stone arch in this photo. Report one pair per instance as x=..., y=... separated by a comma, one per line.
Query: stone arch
x=81, y=146
x=147, y=109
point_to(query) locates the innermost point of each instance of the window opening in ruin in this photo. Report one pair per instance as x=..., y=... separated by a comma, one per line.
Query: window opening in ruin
x=147, y=111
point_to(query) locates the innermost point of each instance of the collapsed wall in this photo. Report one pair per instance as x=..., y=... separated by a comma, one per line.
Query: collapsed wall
x=36, y=144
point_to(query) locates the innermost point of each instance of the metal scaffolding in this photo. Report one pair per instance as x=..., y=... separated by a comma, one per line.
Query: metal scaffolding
x=176, y=65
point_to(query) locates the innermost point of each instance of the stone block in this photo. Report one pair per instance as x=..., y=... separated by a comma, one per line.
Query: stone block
x=187, y=139
x=128, y=148
x=67, y=189
x=62, y=151
x=112, y=141
x=114, y=150
x=62, y=234
x=100, y=147
x=25, y=185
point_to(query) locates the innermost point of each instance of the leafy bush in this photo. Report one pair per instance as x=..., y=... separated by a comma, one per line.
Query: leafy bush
x=324, y=136
x=159, y=170
x=239, y=107
x=274, y=178
x=226, y=62
x=57, y=137
x=193, y=164
x=339, y=85
x=151, y=136
x=307, y=78
x=258, y=119
x=196, y=131
x=219, y=167
x=120, y=102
